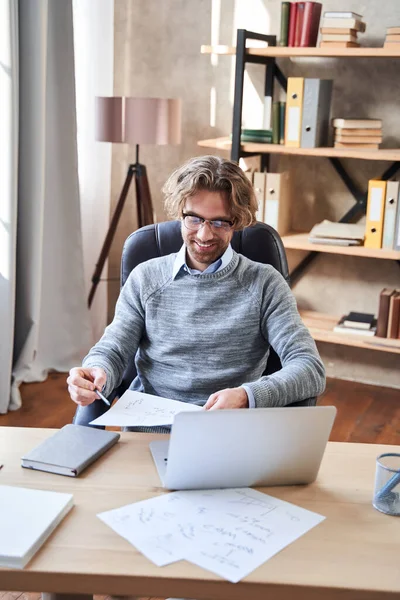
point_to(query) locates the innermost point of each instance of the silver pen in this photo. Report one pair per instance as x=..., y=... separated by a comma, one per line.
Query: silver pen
x=102, y=397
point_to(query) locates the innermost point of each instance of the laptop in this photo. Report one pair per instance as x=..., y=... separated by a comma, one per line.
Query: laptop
x=244, y=448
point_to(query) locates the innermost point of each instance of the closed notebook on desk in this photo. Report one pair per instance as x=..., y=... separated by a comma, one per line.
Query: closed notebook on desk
x=27, y=518
x=70, y=450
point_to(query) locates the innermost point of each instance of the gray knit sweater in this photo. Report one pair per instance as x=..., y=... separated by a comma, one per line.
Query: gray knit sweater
x=198, y=334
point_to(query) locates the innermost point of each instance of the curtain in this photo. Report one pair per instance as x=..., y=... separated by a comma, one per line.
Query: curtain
x=94, y=67
x=47, y=320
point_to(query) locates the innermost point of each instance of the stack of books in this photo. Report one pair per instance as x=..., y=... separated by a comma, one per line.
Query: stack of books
x=300, y=23
x=340, y=28
x=392, y=38
x=389, y=314
x=337, y=234
x=261, y=136
x=357, y=323
x=357, y=133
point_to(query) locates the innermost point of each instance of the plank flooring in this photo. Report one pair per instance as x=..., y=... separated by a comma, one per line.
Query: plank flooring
x=366, y=414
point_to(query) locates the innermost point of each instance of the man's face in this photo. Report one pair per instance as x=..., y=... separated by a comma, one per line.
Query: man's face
x=208, y=243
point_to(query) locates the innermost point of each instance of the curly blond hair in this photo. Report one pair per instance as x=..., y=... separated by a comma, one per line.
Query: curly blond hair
x=214, y=174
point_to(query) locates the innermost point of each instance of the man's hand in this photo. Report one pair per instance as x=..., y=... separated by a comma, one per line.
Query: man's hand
x=229, y=398
x=81, y=384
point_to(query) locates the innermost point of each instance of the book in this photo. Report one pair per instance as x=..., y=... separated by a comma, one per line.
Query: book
x=344, y=23
x=337, y=14
x=325, y=30
x=333, y=241
x=340, y=37
x=27, y=518
x=299, y=22
x=282, y=116
x=285, y=15
x=357, y=132
x=275, y=122
x=359, y=320
x=70, y=450
x=383, y=312
x=331, y=229
x=292, y=24
x=316, y=111
x=394, y=315
x=354, y=145
x=339, y=328
x=311, y=17
x=339, y=44
x=392, y=30
x=357, y=123
x=394, y=37
x=358, y=139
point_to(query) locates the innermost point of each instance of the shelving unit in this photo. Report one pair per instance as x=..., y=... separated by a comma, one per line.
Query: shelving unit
x=285, y=52
x=321, y=328
x=320, y=325
x=224, y=143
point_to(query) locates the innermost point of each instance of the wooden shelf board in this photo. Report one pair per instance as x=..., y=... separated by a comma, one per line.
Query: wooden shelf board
x=321, y=328
x=299, y=241
x=279, y=51
x=224, y=143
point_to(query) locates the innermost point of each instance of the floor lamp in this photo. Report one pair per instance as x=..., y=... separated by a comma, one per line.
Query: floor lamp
x=134, y=121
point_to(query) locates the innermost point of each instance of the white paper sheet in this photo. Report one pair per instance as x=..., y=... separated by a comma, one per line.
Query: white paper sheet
x=229, y=532
x=135, y=409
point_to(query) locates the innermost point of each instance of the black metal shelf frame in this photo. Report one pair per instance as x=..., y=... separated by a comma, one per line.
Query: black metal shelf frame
x=272, y=72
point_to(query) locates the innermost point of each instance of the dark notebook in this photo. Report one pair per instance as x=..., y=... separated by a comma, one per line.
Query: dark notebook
x=70, y=450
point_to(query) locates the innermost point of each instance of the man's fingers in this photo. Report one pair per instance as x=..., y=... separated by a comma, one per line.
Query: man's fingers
x=211, y=401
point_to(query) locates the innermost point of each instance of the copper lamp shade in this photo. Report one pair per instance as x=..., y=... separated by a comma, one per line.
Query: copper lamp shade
x=138, y=120
x=134, y=121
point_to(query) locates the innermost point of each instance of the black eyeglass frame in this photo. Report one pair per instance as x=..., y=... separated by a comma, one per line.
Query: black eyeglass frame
x=224, y=226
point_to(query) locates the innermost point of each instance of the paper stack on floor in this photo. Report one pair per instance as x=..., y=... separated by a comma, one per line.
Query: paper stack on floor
x=230, y=532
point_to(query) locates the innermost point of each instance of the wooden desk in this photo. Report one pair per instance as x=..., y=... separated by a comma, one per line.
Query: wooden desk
x=354, y=554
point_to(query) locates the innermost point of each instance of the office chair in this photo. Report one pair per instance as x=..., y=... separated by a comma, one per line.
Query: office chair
x=261, y=243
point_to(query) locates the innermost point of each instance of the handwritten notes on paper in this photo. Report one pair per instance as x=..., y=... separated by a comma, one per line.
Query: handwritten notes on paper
x=135, y=409
x=229, y=531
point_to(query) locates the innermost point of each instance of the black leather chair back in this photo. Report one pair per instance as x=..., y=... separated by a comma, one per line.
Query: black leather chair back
x=260, y=243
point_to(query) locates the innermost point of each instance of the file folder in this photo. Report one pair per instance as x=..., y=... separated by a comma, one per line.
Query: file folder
x=294, y=106
x=391, y=206
x=375, y=213
x=259, y=190
x=277, y=202
x=316, y=111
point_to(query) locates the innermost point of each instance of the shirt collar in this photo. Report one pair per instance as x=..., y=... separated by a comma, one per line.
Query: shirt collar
x=221, y=263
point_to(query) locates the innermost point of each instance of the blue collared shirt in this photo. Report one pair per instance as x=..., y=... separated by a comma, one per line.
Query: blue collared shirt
x=221, y=263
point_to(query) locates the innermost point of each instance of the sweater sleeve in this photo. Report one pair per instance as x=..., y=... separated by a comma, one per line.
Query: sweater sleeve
x=121, y=338
x=303, y=374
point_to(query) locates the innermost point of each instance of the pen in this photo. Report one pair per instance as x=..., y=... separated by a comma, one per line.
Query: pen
x=102, y=397
x=389, y=486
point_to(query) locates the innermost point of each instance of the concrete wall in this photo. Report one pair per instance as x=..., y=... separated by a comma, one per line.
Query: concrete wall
x=157, y=53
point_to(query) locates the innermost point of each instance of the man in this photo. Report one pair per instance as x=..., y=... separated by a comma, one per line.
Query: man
x=201, y=321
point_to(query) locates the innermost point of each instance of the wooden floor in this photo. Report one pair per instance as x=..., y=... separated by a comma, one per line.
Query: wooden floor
x=366, y=414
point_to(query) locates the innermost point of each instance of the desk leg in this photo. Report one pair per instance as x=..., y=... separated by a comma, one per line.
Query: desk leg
x=47, y=596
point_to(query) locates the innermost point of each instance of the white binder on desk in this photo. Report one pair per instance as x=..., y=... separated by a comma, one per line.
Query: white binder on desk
x=391, y=209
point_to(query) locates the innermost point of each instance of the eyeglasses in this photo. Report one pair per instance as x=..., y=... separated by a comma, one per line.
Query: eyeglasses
x=195, y=223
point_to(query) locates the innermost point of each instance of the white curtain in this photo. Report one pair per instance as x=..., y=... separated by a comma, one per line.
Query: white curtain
x=94, y=68
x=51, y=322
